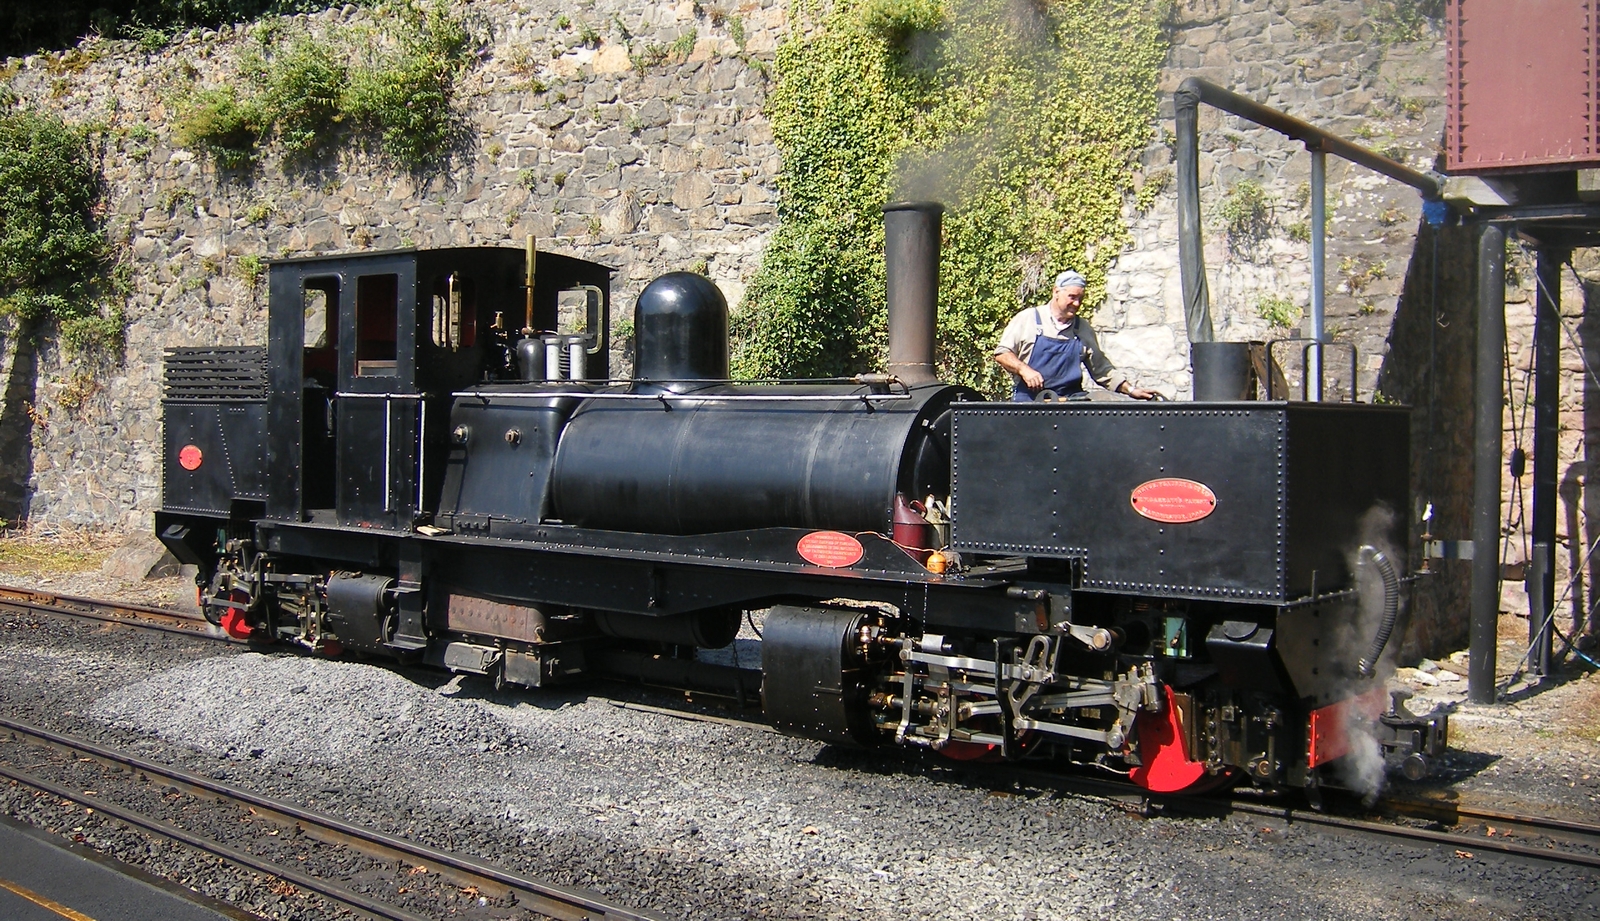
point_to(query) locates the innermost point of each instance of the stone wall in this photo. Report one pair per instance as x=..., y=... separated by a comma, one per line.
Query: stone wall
x=649, y=167
x=1577, y=508
x=1324, y=63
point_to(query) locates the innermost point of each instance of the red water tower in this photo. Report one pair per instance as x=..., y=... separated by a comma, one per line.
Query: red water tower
x=1524, y=85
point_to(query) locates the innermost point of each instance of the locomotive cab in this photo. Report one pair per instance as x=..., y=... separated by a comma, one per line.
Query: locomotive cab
x=366, y=351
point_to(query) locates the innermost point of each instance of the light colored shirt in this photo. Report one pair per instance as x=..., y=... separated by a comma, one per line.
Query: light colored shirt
x=1034, y=322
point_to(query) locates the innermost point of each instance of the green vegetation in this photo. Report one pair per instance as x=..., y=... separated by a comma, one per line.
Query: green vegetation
x=54, y=257
x=250, y=268
x=1278, y=311
x=1404, y=20
x=1359, y=273
x=303, y=97
x=683, y=45
x=53, y=552
x=396, y=97
x=1024, y=118
x=1246, y=215
x=218, y=123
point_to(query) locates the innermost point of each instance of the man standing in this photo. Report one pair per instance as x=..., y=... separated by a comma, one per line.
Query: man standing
x=1047, y=347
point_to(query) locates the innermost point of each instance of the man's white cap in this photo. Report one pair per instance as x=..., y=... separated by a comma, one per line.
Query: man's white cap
x=1070, y=279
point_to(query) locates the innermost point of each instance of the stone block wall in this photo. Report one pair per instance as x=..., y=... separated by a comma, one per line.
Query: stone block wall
x=602, y=149
x=1324, y=63
x=1577, y=507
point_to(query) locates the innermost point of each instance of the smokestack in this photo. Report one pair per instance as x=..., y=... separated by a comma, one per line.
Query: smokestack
x=911, y=232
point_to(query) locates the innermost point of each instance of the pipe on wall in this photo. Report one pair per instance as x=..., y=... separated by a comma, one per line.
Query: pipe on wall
x=1186, y=105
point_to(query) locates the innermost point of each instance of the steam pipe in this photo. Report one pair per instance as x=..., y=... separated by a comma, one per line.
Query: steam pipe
x=911, y=233
x=527, y=325
x=1186, y=104
x=1191, y=254
x=1391, y=607
x=1488, y=406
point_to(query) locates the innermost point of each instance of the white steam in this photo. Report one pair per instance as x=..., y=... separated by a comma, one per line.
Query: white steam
x=1364, y=770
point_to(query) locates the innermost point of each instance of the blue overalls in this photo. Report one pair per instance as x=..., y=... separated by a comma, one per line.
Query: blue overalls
x=1058, y=361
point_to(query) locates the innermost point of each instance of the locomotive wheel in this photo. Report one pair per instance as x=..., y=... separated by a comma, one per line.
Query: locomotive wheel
x=1167, y=767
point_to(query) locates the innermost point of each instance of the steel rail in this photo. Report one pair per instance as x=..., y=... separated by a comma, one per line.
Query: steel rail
x=31, y=601
x=309, y=883
x=545, y=898
x=1153, y=804
x=1124, y=793
x=1455, y=814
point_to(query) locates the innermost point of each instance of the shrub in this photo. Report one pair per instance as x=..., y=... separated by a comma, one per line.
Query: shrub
x=53, y=250
x=218, y=123
x=1025, y=118
x=27, y=27
x=397, y=97
x=1278, y=311
x=1246, y=214
x=303, y=98
x=51, y=242
x=894, y=21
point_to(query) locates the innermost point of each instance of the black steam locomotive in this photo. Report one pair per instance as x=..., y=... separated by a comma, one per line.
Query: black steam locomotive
x=1165, y=589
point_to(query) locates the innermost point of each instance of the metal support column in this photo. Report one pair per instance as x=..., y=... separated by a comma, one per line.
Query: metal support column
x=1319, y=270
x=1546, y=428
x=1488, y=407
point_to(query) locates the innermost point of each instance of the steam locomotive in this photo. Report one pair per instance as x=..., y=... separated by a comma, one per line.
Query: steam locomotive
x=1169, y=590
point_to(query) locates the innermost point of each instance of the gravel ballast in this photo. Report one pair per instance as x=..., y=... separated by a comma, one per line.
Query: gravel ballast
x=706, y=820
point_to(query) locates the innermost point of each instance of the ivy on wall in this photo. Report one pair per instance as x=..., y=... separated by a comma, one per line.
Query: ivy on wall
x=54, y=257
x=1023, y=116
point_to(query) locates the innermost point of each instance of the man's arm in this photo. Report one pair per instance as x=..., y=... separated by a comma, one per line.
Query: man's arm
x=1101, y=369
x=1007, y=359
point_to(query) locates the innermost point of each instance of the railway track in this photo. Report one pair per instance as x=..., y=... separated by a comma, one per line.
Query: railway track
x=463, y=872
x=29, y=601
x=1465, y=828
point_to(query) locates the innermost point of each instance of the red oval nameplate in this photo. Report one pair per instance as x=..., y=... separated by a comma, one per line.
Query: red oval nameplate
x=1173, y=500
x=189, y=458
x=832, y=549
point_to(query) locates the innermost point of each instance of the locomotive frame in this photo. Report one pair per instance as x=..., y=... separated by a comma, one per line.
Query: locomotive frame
x=403, y=471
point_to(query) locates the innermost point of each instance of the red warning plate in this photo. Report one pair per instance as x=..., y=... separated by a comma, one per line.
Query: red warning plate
x=189, y=458
x=1173, y=500
x=832, y=549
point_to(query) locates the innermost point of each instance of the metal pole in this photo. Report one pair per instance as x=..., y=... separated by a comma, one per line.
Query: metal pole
x=1488, y=406
x=1319, y=270
x=1546, y=429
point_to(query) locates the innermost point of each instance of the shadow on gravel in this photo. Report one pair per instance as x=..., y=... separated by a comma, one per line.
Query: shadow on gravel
x=1564, y=674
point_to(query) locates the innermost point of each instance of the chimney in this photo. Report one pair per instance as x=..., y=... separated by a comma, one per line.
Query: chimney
x=911, y=232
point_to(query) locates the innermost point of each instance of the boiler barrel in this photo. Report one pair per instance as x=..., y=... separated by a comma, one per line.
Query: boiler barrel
x=711, y=463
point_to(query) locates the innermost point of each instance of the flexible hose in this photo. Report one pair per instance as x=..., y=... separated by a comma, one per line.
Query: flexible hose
x=1391, y=606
